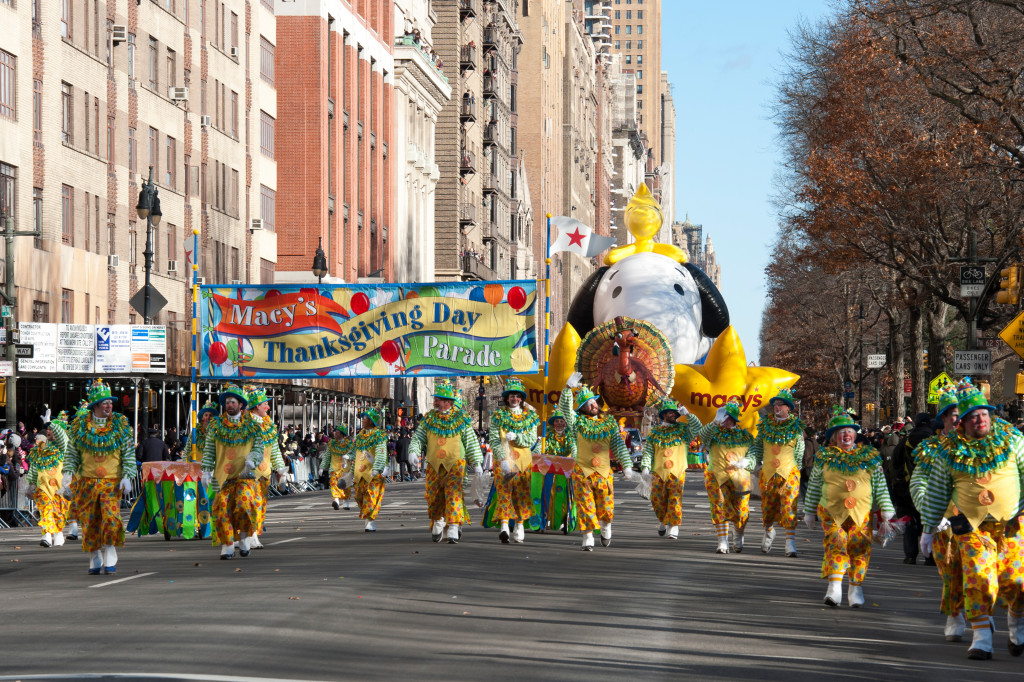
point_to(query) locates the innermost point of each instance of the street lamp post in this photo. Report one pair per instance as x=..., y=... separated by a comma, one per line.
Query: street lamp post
x=148, y=209
x=860, y=362
x=320, y=263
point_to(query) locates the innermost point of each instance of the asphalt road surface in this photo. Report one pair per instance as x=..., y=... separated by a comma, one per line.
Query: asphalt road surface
x=326, y=601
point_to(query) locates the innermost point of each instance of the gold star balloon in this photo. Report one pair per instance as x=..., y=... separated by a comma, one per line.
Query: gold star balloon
x=725, y=376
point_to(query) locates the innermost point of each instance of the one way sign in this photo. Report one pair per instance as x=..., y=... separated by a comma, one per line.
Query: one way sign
x=24, y=351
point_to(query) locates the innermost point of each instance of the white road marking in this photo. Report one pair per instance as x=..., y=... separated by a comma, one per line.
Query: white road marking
x=281, y=542
x=121, y=580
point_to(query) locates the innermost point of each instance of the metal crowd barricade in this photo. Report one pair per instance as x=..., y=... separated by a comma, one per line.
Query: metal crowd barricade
x=20, y=507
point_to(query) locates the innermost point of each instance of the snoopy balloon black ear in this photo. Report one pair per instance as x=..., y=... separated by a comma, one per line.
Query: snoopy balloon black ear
x=581, y=312
x=715, y=312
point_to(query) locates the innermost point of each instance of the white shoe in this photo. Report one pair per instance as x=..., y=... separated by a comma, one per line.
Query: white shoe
x=834, y=594
x=227, y=551
x=73, y=531
x=661, y=529
x=1016, y=626
x=981, y=644
x=737, y=542
x=768, y=540
x=856, y=596
x=437, y=530
x=336, y=503
x=722, y=531
x=347, y=506
x=95, y=562
x=790, y=547
x=588, y=542
x=955, y=626
x=673, y=532
x=109, y=558
x=58, y=539
x=254, y=542
x=47, y=540
x=244, y=545
x=453, y=534
x=606, y=533
x=370, y=527
x=504, y=534
x=519, y=534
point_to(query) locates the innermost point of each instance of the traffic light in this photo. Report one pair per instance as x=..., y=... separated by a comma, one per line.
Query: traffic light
x=1009, y=286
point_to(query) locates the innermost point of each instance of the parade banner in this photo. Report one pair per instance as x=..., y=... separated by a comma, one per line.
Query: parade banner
x=368, y=330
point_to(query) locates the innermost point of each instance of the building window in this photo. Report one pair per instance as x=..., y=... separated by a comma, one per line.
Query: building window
x=110, y=144
x=8, y=192
x=131, y=60
x=86, y=112
x=234, y=114
x=234, y=194
x=172, y=242
x=37, y=110
x=267, y=134
x=65, y=18
x=639, y=14
x=67, y=215
x=639, y=44
x=617, y=27
x=629, y=29
x=111, y=235
x=132, y=243
x=40, y=310
x=132, y=147
x=67, y=306
x=96, y=203
x=234, y=30
x=640, y=28
x=154, y=64
x=266, y=60
x=629, y=59
x=37, y=216
x=617, y=14
x=171, y=162
x=154, y=152
x=629, y=14
x=67, y=113
x=266, y=271
x=639, y=59
x=235, y=274
x=639, y=104
x=8, y=74
x=640, y=74
x=172, y=68
x=616, y=44
x=640, y=88
x=629, y=44
x=268, y=201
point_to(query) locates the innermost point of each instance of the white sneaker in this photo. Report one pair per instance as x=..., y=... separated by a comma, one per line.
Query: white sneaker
x=437, y=530
x=606, y=533
x=767, y=540
x=661, y=529
x=370, y=527
x=227, y=551
x=73, y=531
x=519, y=534
x=58, y=539
x=244, y=545
x=723, y=545
x=856, y=596
x=336, y=503
x=109, y=558
x=955, y=626
x=737, y=542
x=834, y=594
x=254, y=542
x=673, y=532
x=47, y=540
x=588, y=542
x=453, y=534
x=790, y=547
x=981, y=643
x=95, y=562
x=347, y=506
x=504, y=534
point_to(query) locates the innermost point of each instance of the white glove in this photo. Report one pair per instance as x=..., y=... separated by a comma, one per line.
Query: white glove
x=510, y=436
x=282, y=473
x=414, y=461
x=631, y=475
x=478, y=470
x=574, y=380
x=720, y=415
x=645, y=471
x=248, y=469
x=66, y=482
x=506, y=467
x=809, y=520
x=126, y=485
x=30, y=490
x=943, y=525
x=742, y=463
x=206, y=478
x=683, y=411
x=926, y=544
x=889, y=516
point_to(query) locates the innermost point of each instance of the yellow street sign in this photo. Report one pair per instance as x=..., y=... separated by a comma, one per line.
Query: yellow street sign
x=935, y=385
x=1013, y=334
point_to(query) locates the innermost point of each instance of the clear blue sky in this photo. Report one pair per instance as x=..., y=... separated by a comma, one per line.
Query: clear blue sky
x=722, y=60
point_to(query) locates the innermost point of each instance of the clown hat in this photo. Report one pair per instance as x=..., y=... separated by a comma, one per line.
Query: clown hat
x=233, y=391
x=98, y=392
x=784, y=396
x=970, y=398
x=668, y=405
x=444, y=389
x=584, y=396
x=210, y=407
x=732, y=409
x=947, y=399
x=373, y=414
x=340, y=427
x=254, y=395
x=514, y=385
x=557, y=414
x=841, y=419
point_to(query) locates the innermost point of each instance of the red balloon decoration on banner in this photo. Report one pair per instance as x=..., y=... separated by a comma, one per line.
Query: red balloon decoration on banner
x=516, y=297
x=218, y=352
x=390, y=351
x=360, y=303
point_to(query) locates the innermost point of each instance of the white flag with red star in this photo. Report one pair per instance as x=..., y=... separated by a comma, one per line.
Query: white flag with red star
x=575, y=237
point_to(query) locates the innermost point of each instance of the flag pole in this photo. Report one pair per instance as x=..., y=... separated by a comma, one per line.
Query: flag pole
x=547, y=329
x=194, y=386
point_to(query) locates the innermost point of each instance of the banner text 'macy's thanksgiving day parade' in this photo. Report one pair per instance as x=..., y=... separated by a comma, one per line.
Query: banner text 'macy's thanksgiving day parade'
x=382, y=330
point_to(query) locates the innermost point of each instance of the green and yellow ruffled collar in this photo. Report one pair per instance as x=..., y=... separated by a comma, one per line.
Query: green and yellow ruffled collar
x=861, y=458
x=504, y=418
x=596, y=428
x=101, y=438
x=780, y=433
x=338, y=448
x=557, y=445
x=238, y=432
x=367, y=439
x=928, y=451
x=46, y=456
x=730, y=438
x=446, y=425
x=669, y=435
x=267, y=428
x=977, y=457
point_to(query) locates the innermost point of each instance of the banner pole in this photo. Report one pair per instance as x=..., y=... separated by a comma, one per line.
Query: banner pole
x=547, y=328
x=193, y=386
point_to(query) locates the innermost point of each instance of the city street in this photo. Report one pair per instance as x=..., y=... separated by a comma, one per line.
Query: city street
x=326, y=601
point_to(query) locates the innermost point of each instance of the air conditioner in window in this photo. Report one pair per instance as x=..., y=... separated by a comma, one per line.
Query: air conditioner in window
x=256, y=224
x=178, y=94
x=172, y=266
x=204, y=121
x=112, y=261
x=233, y=52
x=119, y=34
x=236, y=281
x=200, y=281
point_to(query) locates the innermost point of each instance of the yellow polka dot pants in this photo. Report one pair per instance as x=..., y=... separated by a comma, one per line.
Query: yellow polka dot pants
x=726, y=504
x=99, y=510
x=779, y=500
x=444, y=494
x=369, y=492
x=667, y=499
x=595, y=499
x=847, y=547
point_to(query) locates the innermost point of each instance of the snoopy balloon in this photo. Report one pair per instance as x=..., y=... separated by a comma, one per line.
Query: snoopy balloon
x=653, y=282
